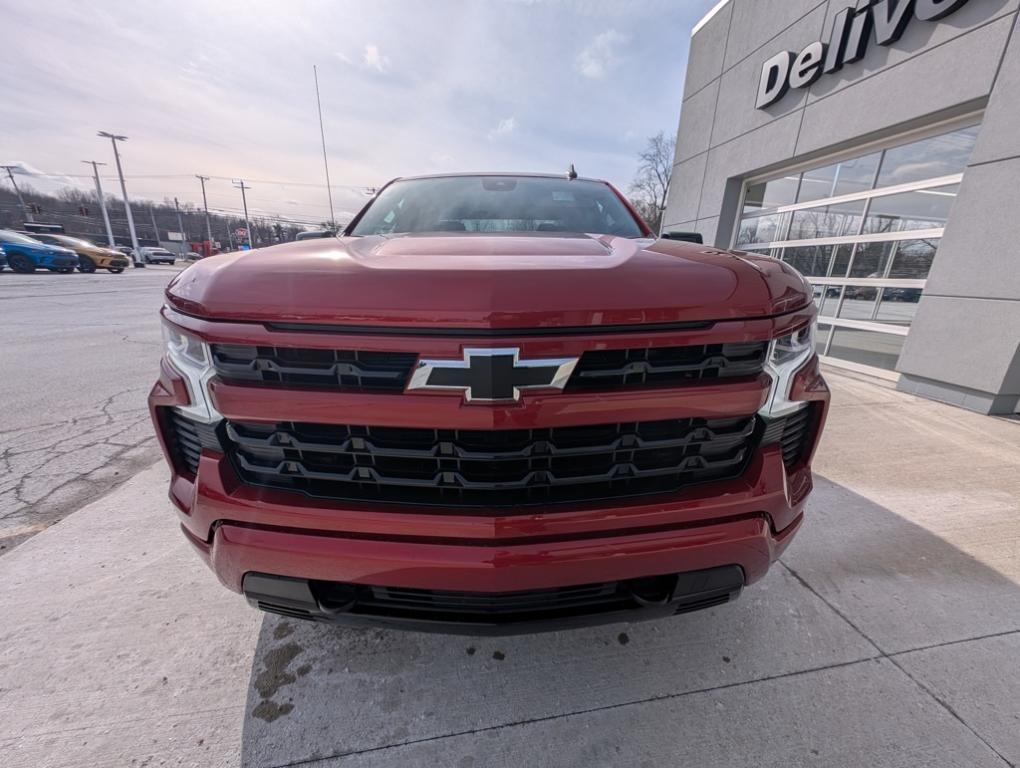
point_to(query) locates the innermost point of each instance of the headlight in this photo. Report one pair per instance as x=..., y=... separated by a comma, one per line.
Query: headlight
x=787, y=355
x=190, y=357
x=183, y=347
x=793, y=345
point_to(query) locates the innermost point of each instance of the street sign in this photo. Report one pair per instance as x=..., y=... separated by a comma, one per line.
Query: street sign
x=175, y=236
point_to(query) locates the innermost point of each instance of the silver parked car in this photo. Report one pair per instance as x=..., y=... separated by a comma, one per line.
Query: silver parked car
x=152, y=255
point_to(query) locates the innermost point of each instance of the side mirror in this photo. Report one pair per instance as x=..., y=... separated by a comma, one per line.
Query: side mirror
x=690, y=237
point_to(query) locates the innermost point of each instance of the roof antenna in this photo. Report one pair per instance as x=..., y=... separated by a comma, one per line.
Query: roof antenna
x=571, y=174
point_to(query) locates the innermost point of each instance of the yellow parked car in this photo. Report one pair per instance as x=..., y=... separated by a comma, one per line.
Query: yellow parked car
x=90, y=256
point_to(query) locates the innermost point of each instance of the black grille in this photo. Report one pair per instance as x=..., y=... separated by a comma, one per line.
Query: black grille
x=187, y=438
x=389, y=371
x=517, y=606
x=651, y=366
x=490, y=468
x=314, y=368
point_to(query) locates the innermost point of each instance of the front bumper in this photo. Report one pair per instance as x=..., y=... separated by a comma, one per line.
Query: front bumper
x=246, y=532
x=495, y=613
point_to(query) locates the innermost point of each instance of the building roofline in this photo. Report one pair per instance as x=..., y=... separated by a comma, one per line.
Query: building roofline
x=708, y=16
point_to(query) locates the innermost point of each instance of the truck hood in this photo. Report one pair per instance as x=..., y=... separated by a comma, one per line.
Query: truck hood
x=485, y=281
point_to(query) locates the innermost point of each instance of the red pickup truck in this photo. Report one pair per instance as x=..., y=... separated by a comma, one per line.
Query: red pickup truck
x=494, y=403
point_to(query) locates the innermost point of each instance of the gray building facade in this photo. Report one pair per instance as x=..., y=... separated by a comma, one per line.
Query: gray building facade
x=876, y=147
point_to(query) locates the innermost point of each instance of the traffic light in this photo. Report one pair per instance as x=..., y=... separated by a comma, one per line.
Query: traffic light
x=35, y=208
x=83, y=210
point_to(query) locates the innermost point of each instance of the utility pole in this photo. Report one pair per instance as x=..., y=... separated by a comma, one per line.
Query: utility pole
x=325, y=161
x=21, y=200
x=239, y=183
x=205, y=204
x=102, y=200
x=114, y=138
x=152, y=217
x=180, y=227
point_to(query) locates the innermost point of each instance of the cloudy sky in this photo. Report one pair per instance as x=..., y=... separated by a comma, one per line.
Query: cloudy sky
x=408, y=86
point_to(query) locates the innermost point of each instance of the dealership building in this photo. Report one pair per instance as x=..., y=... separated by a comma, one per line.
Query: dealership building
x=875, y=146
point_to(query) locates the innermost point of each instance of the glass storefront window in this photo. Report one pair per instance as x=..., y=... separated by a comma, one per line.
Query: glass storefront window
x=859, y=302
x=763, y=229
x=895, y=259
x=841, y=261
x=819, y=294
x=818, y=260
x=827, y=299
x=822, y=337
x=771, y=194
x=898, y=305
x=809, y=260
x=871, y=259
x=872, y=303
x=880, y=350
x=928, y=158
x=843, y=178
x=827, y=221
x=913, y=259
x=922, y=209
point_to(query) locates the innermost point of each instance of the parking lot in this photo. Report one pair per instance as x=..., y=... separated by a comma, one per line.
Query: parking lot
x=888, y=635
x=77, y=358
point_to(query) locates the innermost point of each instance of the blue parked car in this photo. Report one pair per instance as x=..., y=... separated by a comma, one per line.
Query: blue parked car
x=25, y=254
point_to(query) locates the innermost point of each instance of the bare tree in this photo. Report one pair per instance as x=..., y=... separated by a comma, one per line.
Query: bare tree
x=651, y=183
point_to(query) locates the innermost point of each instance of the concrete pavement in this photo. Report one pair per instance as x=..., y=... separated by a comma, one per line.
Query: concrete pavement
x=887, y=637
x=78, y=357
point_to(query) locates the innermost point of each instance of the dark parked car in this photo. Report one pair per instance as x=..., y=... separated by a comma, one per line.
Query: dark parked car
x=315, y=234
x=902, y=294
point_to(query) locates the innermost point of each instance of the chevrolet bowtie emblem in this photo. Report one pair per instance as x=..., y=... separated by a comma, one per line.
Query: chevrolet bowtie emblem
x=492, y=375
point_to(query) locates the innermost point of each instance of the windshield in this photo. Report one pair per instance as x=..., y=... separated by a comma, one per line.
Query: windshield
x=6, y=236
x=498, y=204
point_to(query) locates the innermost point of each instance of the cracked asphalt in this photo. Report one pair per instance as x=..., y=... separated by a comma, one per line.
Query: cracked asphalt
x=79, y=355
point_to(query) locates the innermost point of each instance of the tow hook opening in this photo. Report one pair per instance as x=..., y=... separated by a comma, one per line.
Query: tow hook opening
x=652, y=590
x=334, y=598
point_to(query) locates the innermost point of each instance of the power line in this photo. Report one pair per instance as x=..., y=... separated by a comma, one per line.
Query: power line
x=237, y=214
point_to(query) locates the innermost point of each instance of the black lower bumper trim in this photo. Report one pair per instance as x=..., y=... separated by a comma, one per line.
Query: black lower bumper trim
x=482, y=613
